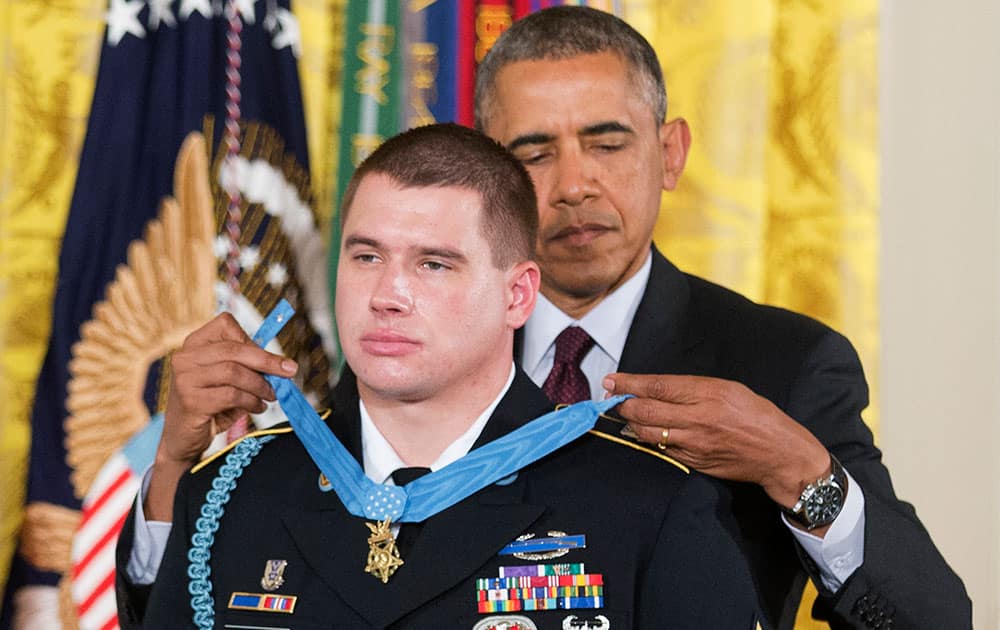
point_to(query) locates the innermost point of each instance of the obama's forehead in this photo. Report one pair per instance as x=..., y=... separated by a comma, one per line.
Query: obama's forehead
x=536, y=101
x=637, y=80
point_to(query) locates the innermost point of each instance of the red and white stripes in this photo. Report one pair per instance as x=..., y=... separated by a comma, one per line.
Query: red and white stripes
x=104, y=511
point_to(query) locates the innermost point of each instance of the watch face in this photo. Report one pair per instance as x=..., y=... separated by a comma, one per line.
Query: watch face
x=824, y=504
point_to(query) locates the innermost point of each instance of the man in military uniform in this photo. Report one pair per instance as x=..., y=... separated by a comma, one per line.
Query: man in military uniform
x=435, y=276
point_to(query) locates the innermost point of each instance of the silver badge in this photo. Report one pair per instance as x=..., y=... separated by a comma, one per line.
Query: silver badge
x=544, y=555
x=600, y=622
x=505, y=622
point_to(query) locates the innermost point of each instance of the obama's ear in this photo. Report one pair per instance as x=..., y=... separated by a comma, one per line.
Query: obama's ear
x=675, y=141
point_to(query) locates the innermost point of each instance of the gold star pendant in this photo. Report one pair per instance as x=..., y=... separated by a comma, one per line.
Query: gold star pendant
x=383, y=555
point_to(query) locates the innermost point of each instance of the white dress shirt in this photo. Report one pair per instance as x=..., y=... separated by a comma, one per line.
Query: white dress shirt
x=378, y=458
x=837, y=555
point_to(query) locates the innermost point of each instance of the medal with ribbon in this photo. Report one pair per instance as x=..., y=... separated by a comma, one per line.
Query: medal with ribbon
x=434, y=492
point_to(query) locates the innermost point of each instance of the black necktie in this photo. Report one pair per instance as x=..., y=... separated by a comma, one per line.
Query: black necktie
x=408, y=532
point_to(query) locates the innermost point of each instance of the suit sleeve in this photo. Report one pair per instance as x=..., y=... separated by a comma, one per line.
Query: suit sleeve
x=904, y=579
x=697, y=577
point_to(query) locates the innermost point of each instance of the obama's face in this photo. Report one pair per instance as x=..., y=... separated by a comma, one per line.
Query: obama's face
x=599, y=161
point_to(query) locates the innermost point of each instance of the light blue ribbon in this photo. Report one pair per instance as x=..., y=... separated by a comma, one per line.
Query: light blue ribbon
x=439, y=490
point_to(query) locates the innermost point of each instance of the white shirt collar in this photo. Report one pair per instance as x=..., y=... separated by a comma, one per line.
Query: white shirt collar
x=380, y=459
x=607, y=323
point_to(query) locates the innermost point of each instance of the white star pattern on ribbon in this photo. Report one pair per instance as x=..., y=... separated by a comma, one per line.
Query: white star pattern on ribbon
x=385, y=502
x=288, y=33
x=189, y=7
x=159, y=11
x=123, y=17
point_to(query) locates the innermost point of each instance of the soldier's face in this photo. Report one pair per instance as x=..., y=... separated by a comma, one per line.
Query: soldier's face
x=421, y=309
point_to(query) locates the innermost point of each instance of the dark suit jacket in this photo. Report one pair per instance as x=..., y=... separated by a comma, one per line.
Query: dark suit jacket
x=686, y=325
x=652, y=531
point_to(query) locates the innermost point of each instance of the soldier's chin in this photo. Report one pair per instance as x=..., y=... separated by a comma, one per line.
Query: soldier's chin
x=398, y=385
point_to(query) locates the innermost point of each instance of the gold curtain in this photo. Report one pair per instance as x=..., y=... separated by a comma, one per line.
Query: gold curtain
x=50, y=51
x=779, y=199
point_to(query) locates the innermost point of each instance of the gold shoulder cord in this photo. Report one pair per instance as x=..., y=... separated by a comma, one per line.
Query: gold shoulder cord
x=635, y=445
x=640, y=448
x=322, y=414
x=229, y=446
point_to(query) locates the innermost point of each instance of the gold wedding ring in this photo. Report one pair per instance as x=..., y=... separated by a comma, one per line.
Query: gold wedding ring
x=662, y=444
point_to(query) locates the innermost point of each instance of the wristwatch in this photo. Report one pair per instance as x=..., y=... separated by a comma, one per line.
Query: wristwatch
x=821, y=501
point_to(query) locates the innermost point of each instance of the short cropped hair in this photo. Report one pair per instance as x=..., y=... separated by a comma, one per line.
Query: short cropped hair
x=565, y=32
x=445, y=155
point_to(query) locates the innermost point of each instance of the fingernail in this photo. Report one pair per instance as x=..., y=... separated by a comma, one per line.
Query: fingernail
x=628, y=432
x=609, y=384
x=289, y=366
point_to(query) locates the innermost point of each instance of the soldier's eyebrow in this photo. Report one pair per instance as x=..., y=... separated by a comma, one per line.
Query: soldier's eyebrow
x=353, y=240
x=447, y=253
x=443, y=252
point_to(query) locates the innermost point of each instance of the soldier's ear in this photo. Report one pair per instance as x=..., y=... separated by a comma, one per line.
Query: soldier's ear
x=675, y=141
x=523, y=281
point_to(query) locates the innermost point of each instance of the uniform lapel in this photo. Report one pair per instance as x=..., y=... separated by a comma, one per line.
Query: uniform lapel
x=450, y=547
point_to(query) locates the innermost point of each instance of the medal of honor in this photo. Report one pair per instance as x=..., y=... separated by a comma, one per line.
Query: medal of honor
x=383, y=555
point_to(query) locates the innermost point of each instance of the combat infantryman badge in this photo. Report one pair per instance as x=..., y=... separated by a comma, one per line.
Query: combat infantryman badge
x=383, y=555
x=558, y=544
x=274, y=575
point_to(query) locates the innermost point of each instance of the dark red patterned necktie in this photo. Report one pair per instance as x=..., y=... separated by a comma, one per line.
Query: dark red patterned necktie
x=566, y=382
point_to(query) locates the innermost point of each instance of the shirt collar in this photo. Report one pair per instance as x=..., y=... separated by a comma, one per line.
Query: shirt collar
x=380, y=459
x=607, y=323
